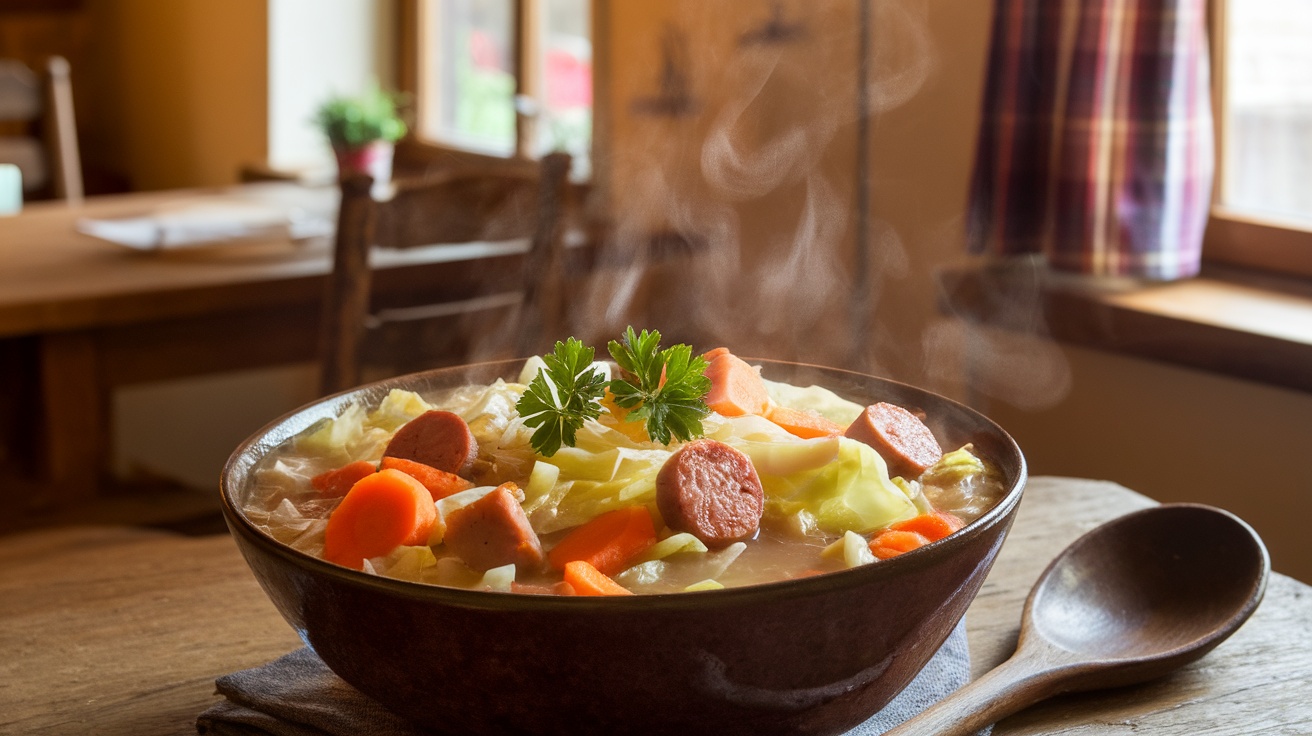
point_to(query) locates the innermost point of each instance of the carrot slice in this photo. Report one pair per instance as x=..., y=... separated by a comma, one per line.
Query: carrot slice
x=804, y=424
x=635, y=430
x=335, y=483
x=892, y=543
x=438, y=482
x=381, y=512
x=932, y=526
x=736, y=387
x=607, y=541
x=588, y=580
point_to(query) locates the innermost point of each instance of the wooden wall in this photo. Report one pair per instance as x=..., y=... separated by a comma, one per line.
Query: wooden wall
x=765, y=168
x=167, y=94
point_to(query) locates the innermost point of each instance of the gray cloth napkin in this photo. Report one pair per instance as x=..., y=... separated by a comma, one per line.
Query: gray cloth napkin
x=297, y=695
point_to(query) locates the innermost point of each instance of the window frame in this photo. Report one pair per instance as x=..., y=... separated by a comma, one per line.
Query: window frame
x=1240, y=238
x=417, y=51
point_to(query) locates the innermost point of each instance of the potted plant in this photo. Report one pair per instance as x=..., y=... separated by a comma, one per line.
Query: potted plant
x=362, y=131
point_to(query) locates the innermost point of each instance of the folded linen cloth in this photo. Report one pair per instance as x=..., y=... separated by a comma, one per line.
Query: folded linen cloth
x=297, y=695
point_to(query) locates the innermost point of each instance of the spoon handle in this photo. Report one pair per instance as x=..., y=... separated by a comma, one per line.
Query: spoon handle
x=1011, y=686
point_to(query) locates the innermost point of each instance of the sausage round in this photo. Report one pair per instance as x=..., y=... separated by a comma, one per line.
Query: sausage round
x=710, y=490
x=438, y=439
x=899, y=436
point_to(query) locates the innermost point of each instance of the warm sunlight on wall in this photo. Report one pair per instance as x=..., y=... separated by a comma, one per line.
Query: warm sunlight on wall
x=181, y=86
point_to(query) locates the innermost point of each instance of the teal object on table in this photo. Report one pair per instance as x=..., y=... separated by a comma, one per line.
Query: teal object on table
x=11, y=190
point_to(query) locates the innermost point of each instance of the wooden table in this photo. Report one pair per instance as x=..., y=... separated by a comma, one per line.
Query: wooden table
x=122, y=631
x=98, y=315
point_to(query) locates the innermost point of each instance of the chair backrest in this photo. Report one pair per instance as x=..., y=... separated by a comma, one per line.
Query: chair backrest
x=457, y=206
x=48, y=159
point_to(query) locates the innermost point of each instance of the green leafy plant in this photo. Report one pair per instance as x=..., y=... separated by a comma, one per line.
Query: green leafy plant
x=351, y=122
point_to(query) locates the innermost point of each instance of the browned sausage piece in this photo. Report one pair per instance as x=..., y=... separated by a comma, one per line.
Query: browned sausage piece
x=710, y=490
x=493, y=531
x=438, y=439
x=904, y=441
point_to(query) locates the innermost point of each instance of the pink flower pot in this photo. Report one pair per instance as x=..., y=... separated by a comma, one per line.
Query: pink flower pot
x=373, y=158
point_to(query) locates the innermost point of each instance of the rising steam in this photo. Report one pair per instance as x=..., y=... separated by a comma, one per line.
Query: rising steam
x=761, y=182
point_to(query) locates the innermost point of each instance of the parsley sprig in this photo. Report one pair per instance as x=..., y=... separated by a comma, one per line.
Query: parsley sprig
x=664, y=388
x=562, y=396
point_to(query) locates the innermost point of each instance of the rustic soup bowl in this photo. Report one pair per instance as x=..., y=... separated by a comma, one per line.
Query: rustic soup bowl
x=819, y=654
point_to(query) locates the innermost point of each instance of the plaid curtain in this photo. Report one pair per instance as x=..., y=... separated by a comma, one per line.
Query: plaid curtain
x=1095, y=144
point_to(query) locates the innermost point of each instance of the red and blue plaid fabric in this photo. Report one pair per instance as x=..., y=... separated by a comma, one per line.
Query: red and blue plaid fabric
x=1095, y=144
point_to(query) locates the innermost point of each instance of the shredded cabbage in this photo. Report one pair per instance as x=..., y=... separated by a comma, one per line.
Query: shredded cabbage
x=706, y=566
x=647, y=573
x=541, y=480
x=405, y=563
x=498, y=578
x=852, y=493
x=672, y=545
x=856, y=550
x=604, y=471
x=954, y=467
x=397, y=408
x=789, y=457
x=959, y=481
x=360, y=435
x=816, y=398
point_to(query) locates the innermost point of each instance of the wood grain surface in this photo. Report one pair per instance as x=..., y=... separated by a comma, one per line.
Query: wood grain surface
x=122, y=631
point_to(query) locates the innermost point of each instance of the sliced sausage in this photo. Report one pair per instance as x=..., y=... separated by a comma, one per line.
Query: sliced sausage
x=710, y=490
x=493, y=531
x=899, y=436
x=438, y=439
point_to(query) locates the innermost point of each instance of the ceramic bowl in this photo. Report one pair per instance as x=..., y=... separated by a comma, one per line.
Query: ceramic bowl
x=819, y=654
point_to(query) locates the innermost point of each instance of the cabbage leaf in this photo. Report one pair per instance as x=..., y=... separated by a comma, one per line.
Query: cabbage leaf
x=852, y=493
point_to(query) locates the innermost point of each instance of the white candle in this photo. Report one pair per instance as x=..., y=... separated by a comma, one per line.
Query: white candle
x=11, y=190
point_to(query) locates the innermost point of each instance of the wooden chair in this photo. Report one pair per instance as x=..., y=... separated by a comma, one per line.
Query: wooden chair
x=448, y=320
x=42, y=108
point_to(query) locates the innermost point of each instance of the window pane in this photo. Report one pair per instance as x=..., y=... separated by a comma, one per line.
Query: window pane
x=1268, y=124
x=565, y=121
x=471, y=98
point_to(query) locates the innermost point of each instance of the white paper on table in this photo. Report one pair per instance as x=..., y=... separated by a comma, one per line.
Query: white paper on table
x=207, y=220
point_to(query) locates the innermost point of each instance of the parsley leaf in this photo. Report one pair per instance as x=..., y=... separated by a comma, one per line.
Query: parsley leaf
x=666, y=386
x=562, y=396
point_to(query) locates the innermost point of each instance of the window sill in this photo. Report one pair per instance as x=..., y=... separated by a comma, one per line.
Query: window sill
x=1229, y=321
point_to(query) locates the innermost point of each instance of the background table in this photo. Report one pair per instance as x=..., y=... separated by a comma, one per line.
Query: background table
x=122, y=631
x=95, y=315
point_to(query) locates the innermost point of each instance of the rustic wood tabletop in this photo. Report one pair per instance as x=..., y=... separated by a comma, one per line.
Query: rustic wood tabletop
x=115, y=630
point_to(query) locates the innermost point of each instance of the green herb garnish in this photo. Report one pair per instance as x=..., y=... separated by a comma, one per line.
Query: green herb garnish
x=664, y=387
x=562, y=396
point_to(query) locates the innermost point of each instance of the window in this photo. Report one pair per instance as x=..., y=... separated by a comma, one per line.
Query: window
x=505, y=77
x=1262, y=213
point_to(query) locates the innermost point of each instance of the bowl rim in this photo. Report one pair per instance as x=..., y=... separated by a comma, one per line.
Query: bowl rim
x=799, y=587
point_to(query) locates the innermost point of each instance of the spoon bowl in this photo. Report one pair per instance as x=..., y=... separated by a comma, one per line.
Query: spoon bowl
x=1132, y=600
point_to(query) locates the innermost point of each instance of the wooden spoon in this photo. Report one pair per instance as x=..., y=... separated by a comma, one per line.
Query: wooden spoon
x=1131, y=600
